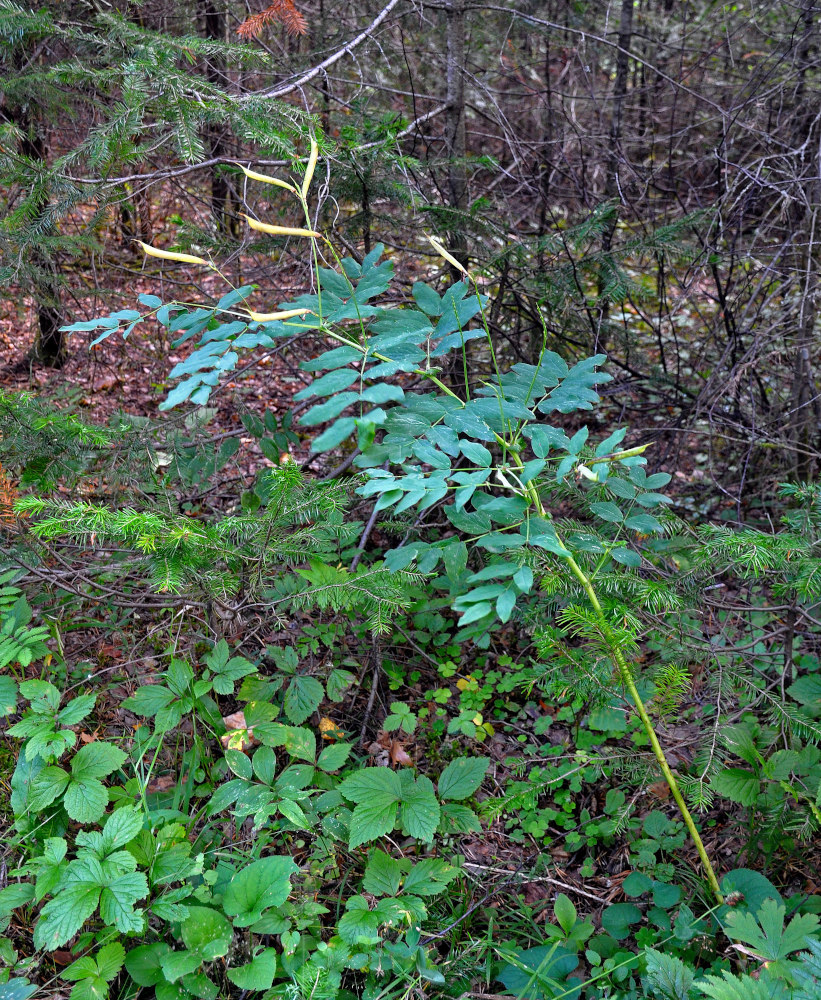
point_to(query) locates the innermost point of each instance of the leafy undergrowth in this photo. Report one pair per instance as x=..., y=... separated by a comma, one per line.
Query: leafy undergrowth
x=478, y=711
x=203, y=817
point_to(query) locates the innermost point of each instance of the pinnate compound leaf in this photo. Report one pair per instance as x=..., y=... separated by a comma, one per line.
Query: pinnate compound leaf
x=257, y=887
x=645, y=524
x=462, y=777
x=607, y=511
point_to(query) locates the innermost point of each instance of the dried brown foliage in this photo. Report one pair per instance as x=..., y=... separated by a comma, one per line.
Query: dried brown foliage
x=8, y=494
x=283, y=11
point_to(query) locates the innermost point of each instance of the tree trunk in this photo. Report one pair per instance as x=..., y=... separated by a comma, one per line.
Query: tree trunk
x=225, y=218
x=49, y=342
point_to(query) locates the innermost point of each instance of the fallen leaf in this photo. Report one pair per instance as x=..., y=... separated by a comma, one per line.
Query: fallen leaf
x=399, y=755
x=239, y=736
x=162, y=783
x=330, y=730
x=380, y=749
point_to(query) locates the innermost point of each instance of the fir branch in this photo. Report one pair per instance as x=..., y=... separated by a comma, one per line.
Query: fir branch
x=284, y=11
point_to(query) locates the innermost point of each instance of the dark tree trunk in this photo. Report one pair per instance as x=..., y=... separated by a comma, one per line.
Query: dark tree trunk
x=213, y=19
x=50, y=342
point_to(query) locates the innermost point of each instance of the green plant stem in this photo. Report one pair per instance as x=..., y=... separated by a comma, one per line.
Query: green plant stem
x=629, y=682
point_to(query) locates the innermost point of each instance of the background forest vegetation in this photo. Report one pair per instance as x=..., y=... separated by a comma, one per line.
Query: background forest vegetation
x=410, y=432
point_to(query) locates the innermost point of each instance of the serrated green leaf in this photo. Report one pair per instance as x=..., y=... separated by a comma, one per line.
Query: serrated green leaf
x=338, y=683
x=148, y=700
x=420, y=809
x=458, y=819
x=382, y=874
x=372, y=819
x=63, y=916
x=429, y=877
x=48, y=785
x=118, y=898
x=76, y=710
x=110, y=959
x=333, y=757
x=738, y=785
x=303, y=697
x=462, y=777
x=85, y=800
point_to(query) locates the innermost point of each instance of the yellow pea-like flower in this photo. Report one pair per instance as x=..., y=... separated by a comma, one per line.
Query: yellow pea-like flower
x=183, y=258
x=264, y=227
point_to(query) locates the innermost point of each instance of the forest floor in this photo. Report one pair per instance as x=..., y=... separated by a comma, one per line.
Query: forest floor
x=552, y=836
